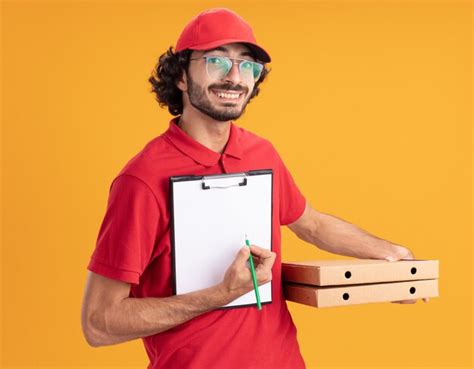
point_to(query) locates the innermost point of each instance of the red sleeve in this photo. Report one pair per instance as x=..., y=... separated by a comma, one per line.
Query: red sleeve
x=292, y=201
x=128, y=231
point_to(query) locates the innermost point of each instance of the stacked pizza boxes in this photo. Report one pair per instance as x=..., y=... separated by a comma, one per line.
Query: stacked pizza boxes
x=326, y=283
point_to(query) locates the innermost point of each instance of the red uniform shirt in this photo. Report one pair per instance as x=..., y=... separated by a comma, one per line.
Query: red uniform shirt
x=134, y=246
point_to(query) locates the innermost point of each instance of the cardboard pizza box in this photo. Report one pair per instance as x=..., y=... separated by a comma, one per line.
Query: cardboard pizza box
x=358, y=271
x=320, y=297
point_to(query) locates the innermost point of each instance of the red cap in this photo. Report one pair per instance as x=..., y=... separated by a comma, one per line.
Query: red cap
x=215, y=27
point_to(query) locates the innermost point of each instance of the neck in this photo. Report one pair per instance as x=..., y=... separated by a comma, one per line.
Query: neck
x=208, y=132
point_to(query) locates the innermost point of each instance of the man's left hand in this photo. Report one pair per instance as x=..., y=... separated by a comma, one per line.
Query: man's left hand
x=399, y=253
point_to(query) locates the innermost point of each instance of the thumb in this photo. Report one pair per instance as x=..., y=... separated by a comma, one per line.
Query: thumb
x=242, y=256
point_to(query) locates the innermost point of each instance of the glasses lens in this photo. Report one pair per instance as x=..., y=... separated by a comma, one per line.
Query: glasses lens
x=257, y=70
x=250, y=70
x=217, y=66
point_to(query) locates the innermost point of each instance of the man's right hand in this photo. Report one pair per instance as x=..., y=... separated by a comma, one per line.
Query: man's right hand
x=110, y=315
x=238, y=277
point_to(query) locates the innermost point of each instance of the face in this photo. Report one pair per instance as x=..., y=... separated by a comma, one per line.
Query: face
x=221, y=99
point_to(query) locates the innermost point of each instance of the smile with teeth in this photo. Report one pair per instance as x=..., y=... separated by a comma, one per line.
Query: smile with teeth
x=227, y=95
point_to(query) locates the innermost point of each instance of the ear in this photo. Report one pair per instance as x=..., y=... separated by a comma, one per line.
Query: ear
x=182, y=82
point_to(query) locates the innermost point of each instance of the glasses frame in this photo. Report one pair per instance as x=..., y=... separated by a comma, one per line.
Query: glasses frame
x=232, y=61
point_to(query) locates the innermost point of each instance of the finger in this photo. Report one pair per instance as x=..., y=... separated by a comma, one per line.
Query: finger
x=264, y=257
x=267, y=263
x=260, y=251
x=426, y=299
x=260, y=259
x=400, y=252
x=242, y=257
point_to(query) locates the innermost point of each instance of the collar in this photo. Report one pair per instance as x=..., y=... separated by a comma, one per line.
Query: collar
x=197, y=151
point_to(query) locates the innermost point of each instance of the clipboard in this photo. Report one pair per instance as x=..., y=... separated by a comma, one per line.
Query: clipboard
x=210, y=216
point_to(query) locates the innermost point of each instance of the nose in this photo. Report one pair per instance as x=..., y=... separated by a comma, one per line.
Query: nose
x=234, y=74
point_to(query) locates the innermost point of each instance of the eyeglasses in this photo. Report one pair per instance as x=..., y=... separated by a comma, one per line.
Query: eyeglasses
x=218, y=67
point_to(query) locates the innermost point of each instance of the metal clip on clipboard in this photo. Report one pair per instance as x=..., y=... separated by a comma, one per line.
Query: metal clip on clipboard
x=209, y=179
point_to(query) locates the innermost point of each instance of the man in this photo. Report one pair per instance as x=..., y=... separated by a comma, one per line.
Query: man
x=206, y=83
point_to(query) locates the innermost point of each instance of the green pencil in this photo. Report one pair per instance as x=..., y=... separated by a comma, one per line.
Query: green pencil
x=254, y=277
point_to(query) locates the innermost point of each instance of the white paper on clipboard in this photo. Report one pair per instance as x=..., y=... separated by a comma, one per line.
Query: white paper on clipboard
x=210, y=217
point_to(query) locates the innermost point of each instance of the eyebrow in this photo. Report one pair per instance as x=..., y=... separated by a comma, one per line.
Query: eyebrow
x=224, y=49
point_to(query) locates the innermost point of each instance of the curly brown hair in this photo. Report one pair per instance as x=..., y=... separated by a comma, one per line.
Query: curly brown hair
x=169, y=70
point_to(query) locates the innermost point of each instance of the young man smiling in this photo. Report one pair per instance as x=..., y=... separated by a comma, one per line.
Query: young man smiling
x=206, y=83
x=211, y=103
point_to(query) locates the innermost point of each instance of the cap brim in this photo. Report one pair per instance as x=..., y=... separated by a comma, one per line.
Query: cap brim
x=259, y=52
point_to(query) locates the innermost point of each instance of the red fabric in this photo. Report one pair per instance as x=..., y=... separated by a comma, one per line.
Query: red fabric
x=134, y=246
x=216, y=27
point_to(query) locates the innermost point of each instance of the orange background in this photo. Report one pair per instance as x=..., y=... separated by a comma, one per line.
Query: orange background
x=369, y=104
